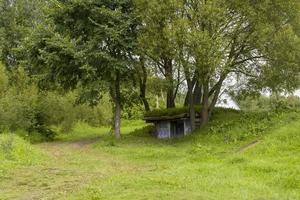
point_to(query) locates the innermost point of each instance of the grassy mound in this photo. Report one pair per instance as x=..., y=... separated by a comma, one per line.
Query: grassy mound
x=234, y=127
x=169, y=112
x=182, y=110
x=237, y=156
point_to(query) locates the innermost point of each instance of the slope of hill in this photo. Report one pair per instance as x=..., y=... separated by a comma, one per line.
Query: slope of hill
x=237, y=156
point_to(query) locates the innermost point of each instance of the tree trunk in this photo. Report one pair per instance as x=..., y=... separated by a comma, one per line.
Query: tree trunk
x=143, y=85
x=214, y=100
x=146, y=104
x=186, y=100
x=116, y=97
x=197, y=94
x=191, y=105
x=170, y=99
x=157, y=102
x=190, y=84
x=117, y=120
x=215, y=91
x=205, y=105
x=169, y=77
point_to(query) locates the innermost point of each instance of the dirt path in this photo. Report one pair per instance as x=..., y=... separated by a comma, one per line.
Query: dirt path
x=69, y=166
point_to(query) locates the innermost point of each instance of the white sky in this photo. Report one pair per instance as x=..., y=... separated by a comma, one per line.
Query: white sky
x=297, y=93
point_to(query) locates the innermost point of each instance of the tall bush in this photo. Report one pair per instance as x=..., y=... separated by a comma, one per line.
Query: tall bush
x=24, y=107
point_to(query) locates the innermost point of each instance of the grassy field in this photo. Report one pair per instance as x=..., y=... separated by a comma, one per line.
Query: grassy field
x=238, y=156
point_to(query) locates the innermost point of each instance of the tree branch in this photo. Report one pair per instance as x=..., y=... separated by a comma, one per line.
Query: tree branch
x=218, y=84
x=247, y=59
x=243, y=72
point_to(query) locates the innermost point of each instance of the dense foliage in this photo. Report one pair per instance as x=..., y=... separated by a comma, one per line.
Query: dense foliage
x=24, y=107
x=138, y=54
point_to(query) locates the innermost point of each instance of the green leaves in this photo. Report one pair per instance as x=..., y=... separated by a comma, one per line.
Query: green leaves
x=17, y=20
x=83, y=43
x=284, y=55
x=88, y=41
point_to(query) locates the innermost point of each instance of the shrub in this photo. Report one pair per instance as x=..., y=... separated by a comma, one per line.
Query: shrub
x=14, y=148
x=24, y=107
x=3, y=80
x=18, y=108
x=264, y=103
x=133, y=112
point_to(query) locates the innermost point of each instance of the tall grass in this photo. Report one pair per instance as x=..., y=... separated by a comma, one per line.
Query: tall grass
x=16, y=152
x=237, y=156
x=214, y=163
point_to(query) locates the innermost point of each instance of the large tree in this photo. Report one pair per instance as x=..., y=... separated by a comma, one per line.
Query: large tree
x=214, y=39
x=17, y=20
x=155, y=43
x=94, y=44
x=87, y=44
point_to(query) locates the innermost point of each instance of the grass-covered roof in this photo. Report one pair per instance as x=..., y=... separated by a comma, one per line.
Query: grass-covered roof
x=181, y=111
x=170, y=112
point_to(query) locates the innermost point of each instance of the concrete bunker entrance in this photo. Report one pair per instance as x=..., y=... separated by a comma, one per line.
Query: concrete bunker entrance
x=177, y=128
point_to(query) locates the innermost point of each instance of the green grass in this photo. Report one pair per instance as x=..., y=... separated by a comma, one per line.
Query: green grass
x=170, y=111
x=183, y=110
x=15, y=151
x=214, y=163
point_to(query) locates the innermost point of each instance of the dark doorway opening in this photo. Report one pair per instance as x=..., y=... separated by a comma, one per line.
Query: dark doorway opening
x=177, y=128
